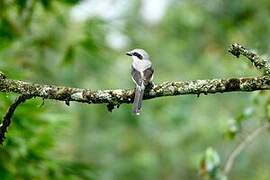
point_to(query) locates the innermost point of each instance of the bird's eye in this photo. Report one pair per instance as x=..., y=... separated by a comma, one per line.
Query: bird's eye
x=138, y=55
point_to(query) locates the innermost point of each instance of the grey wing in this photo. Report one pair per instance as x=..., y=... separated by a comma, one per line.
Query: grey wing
x=136, y=76
x=148, y=74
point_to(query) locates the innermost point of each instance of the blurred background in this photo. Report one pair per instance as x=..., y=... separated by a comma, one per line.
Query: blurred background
x=83, y=44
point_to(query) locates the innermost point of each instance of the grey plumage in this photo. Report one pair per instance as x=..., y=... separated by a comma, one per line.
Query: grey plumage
x=142, y=74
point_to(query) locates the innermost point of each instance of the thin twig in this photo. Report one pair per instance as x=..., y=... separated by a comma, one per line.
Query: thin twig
x=8, y=116
x=258, y=61
x=240, y=147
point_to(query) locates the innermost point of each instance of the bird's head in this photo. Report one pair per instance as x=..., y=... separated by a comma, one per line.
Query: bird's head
x=138, y=53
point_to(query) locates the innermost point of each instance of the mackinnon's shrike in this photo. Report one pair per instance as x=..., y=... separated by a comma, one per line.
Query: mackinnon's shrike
x=142, y=75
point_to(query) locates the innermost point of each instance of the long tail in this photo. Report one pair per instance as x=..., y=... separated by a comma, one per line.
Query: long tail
x=137, y=104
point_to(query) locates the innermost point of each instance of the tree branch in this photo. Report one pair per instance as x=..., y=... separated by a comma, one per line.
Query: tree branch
x=7, y=118
x=116, y=97
x=120, y=96
x=258, y=61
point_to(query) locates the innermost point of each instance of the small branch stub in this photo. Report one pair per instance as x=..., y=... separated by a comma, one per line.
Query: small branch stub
x=258, y=61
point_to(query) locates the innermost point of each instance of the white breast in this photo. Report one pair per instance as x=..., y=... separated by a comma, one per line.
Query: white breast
x=141, y=65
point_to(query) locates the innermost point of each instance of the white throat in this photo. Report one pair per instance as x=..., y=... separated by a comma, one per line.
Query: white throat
x=141, y=65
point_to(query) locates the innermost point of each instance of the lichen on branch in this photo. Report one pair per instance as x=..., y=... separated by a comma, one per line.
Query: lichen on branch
x=171, y=88
x=119, y=96
x=258, y=61
x=113, y=98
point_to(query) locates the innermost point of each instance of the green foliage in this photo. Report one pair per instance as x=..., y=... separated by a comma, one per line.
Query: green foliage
x=210, y=165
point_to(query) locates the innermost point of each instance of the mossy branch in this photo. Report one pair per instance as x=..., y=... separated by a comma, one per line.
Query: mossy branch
x=113, y=98
x=258, y=61
x=116, y=97
x=119, y=96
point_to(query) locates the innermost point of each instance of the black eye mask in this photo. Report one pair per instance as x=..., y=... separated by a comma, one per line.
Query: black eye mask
x=138, y=55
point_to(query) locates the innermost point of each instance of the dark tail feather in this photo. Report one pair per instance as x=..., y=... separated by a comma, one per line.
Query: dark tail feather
x=137, y=104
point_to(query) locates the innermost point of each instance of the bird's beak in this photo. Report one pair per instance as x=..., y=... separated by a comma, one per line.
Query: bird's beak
x=129, y=53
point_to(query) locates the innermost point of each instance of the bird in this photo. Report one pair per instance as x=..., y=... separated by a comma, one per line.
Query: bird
x=142, y=75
